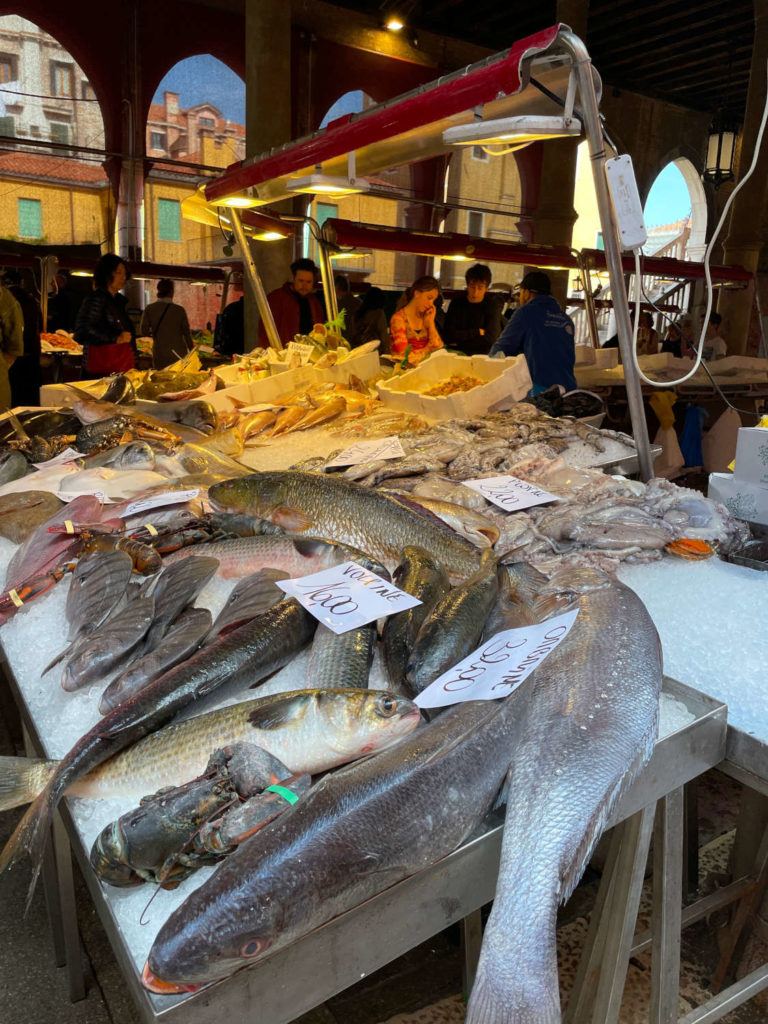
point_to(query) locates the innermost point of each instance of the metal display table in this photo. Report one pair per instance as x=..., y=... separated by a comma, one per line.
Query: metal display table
x=359, y=942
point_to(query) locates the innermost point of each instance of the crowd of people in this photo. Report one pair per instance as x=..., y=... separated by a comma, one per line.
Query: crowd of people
x=474, y=324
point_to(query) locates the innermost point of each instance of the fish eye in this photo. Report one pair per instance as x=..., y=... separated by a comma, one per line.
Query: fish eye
x=251, y=948
x=386, y=706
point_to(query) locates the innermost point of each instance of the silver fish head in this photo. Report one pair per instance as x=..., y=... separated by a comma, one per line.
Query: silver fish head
x=362, y=722
x=259, y=494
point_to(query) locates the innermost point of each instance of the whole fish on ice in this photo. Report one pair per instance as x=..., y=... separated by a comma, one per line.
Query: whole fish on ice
x=590, y=727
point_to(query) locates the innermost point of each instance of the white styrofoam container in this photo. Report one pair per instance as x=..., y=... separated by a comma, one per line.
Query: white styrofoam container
x=585, y=355
x=606, y=358
x=743, y=498
x=733, y=365
x=507, y=381
x=752, y=455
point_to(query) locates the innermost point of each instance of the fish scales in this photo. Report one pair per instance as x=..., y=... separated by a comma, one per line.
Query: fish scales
x=345, y=512
x=330, y=852
x=248, y=654
x=342, y=659
x=591, y=725
x=421, y=576
x=307, y=730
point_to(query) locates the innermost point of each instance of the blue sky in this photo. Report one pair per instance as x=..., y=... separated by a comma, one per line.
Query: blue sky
x=668, y=200
x=204, y=77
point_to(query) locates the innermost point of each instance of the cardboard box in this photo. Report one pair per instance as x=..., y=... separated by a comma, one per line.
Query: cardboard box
x=507, y=381
x=752, y=455
x=743, y=499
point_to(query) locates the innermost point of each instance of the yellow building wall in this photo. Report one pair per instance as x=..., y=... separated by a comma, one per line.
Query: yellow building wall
x=69, y=215
x=198, y=241
x=587, y=226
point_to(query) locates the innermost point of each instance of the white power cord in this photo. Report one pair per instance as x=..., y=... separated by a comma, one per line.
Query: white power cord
x=707, y=275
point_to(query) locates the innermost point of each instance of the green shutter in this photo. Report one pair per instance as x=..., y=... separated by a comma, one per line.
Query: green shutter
x=30, y=218
x=8, y=125
x=325, y=210
x=169, y=220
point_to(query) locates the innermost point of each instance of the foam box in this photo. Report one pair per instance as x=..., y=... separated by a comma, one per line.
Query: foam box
x=606, y=358
x=506, y=382
x=585, y=355
x=752, y=455
x=743, y=499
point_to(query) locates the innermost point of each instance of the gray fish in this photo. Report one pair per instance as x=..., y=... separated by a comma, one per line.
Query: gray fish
x=133, y=455
x=21, y=512
x=13, y=466
x=250, y=597
x=343, y=659
x=249, y=654
x=103, y=650
x=323, y=506
x=453, y=628
x=182, y=638
x=98, y=583
x=383, y=819
x=422, y=576
x=177, y=586
x=509, y=610
x=590, y=727
x=120, y=390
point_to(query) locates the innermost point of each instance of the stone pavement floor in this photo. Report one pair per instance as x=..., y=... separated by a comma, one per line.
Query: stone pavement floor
x=422, y=987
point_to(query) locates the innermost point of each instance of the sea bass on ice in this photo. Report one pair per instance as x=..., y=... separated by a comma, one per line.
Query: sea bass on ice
x=345, y=512
x=590, y=727
x=358, y=831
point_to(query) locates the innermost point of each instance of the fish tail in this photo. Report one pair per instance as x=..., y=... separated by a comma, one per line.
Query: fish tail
x=489, y=1005
x=29, y=837
x=22, y=779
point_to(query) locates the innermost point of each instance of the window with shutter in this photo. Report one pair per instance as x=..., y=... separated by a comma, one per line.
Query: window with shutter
x=9, y=69
x=60, y=132
x=168, y=220
x=7, y=125
x=30, y=218
x=475, y=223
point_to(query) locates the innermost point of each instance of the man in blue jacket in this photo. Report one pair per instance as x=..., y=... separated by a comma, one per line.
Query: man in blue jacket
x=543, y=333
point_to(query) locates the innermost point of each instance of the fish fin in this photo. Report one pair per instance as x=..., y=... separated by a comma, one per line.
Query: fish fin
x=30, y=835
x=22, y=779
x=280, y=712
x=59, y=657
x=292, y=519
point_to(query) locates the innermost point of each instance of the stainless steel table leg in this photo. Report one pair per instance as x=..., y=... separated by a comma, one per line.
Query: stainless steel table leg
x=667, y=908
x=471, y=937
x=68, y=910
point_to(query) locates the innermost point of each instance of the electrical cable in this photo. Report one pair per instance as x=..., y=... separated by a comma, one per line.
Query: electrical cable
x=707, y=273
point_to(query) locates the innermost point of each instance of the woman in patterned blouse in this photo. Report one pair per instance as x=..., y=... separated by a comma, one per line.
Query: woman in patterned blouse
x=414, y=323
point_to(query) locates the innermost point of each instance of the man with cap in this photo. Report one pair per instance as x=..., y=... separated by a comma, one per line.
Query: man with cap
x=543, y=333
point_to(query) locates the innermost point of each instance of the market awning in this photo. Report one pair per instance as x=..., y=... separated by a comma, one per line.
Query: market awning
x=411, y=126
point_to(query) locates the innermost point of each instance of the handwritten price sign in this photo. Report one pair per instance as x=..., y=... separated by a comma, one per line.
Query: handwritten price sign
x=500, y=665
x=347, y=596
x=510, y=493
x=367, y=451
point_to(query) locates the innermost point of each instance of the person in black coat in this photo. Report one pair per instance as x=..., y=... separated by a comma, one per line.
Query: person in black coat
x=473, y=320
x=104, y=328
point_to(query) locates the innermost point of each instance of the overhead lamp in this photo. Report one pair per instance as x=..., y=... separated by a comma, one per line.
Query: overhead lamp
x=242, y=199
x=511, y=132
x=394, y=24
x=457, y=257
x=351, y=254
x=81, y=273
x=259, y=226
x=318, y=183
x=721, y=148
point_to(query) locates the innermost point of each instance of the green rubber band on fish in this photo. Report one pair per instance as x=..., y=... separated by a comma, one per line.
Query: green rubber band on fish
x=286, y=794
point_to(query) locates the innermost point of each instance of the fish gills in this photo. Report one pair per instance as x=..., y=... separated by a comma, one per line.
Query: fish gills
x=591, y=725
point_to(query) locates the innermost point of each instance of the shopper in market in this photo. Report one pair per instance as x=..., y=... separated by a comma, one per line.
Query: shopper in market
x=167, y=324
x=103, y=326
x=473, y=320
x=543, y=333
x=295, y=306
x=647, y=335
x=671, y=341
x=25, y=374
x=715, y=346
x=345, y=300
x=11, y=341
x=412, y=328
x=369, y=323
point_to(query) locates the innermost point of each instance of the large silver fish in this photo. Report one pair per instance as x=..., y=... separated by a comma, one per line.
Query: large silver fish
x=347, y=513
x=354, y=834
x=591, y=725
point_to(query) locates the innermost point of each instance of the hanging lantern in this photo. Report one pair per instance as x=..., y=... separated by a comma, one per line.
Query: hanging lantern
x=721, y=148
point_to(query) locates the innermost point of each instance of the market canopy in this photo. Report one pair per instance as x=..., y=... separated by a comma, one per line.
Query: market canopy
x=530, y=78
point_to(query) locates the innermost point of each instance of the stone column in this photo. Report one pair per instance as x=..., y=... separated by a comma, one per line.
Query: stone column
x=744, y=241
x=267, y=124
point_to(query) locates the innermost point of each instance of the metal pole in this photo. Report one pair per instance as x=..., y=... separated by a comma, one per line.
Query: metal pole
x=582, y=66
x=589, y=300
x=255, y=281
x=326, y=272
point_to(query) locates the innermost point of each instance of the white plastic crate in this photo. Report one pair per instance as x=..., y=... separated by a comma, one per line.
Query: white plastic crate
x=507, y=381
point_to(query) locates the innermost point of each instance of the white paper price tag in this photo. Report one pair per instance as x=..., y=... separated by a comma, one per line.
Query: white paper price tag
x=68, y=455
x=366, y=451
x=347, y=596
x=500, y=665
x=158, y=500
x=94, y=492
x=510, y=493
x=302, y=351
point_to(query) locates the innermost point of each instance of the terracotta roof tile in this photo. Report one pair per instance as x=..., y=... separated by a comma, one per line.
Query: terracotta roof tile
x=38, y=165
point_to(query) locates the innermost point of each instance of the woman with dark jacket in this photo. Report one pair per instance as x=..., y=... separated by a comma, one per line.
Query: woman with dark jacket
x=369, y=321
x=103, y=326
